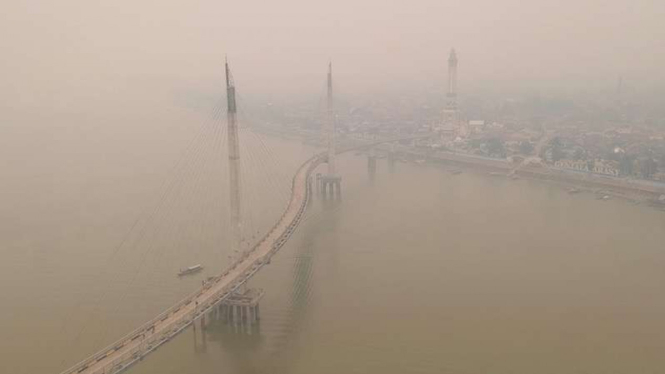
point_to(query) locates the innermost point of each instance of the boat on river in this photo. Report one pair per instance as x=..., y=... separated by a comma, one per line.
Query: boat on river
x=190, y=270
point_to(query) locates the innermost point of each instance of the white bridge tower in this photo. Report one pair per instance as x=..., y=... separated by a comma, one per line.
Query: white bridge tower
x=234, y=162
x=332, y=181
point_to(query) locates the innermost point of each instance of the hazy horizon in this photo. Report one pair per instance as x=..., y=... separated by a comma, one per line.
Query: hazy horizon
x=510, y=224
x=56, y=54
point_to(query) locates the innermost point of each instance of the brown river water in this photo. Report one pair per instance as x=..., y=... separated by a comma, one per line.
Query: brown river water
x=415, y=270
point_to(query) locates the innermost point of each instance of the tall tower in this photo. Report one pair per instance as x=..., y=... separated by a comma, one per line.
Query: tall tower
x=331, y=181
x=450, y=115
x=234, y=161
x=330, y=118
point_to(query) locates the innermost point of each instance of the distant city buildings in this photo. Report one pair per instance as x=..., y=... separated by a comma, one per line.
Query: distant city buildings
x=588, y=134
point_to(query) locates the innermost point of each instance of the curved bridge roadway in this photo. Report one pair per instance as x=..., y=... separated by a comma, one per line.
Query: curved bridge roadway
x=145, y=339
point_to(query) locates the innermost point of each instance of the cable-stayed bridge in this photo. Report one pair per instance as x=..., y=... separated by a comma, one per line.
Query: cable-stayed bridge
x=212, y=299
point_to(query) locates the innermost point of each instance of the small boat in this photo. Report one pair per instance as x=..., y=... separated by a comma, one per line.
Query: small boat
x=455, y=172
x=574, y=190
x=190, y=270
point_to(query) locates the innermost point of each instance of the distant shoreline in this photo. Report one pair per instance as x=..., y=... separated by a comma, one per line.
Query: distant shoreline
x=638, y=192
x=600, y=185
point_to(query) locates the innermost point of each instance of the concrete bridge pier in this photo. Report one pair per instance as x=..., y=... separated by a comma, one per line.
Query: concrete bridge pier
x=221, y=310
x=226, y=314
x=200, y=339
x=209, y=316
x=242, y=310
x=236, y=315
x=319, y=184
x=371, y=164
x=392, y=158
x=309, y=183
x=204, y=340
x=330, y=185
x=218, y=312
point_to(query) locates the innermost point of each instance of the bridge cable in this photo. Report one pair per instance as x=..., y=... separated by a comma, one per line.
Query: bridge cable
x=192, y=175
x=142, y=222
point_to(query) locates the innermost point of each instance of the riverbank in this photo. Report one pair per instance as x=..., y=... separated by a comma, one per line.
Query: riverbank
x=603, y=187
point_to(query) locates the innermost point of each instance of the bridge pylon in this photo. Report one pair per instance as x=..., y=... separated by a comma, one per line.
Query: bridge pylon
x=242, y=304
x=234, y=163
x=371, y=163
x=330, y=183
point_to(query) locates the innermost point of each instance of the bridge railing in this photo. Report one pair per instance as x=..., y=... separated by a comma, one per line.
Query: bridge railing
x=151, y=340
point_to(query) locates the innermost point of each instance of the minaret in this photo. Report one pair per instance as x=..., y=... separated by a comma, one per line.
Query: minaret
x=450, y=115
x=452, y=74
x=234, y=161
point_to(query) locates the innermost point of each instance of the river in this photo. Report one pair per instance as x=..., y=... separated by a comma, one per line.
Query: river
x=414, y=270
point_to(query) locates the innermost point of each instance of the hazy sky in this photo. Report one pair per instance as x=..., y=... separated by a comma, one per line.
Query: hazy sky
x=71, y=50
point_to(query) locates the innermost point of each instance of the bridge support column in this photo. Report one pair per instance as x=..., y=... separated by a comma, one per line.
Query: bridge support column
x=248, y=320
x=371, y=166
x=318, y=183
x=244, y=309
x=202, y=320
x=371, y=163
x=204, y=340
x=331, y=185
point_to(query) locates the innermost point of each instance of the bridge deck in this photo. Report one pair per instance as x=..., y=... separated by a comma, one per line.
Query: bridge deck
x=145, y=339
x=148, y=337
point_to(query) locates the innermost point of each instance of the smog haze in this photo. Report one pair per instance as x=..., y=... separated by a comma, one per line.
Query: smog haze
x=58, y=52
